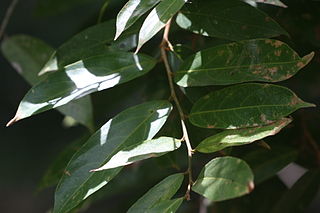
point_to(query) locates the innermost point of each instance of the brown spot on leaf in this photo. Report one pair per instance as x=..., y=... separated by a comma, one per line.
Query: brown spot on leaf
x=267, y=19
x=294, y=101
x=264, y=119
x=277, y=53
x=210, y=126
x=273, y=70
x=274, y=43
x=300, y=64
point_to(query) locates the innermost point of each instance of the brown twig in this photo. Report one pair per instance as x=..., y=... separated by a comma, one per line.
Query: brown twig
x=165, y=44
x=7, y=17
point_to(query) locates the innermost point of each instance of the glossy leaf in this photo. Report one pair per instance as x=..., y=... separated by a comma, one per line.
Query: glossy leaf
x=245, y=105
x=266, y=163
x=146, y=149
x=28, y=55
x=238, y=137
x=131, y=12
x=157, y=19
x=263, y=60
x=161, y=192
x=166, y=206
x=82, y=78
x=224, y=178
x=232, y=20
x=273, y=2
x=128, y=128
x=94, y=40
x=300, y=195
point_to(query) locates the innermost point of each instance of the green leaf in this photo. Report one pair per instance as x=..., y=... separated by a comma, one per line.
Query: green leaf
x=239, y=137
x=300, y=195
x=94, y=40
x=245, y=105
x=224, y=178
x=131, y=12
x=157, y=19
x=232, y=20
x=144, y=150
x=128, y=128
x=161, y=192
x=263, y=60
x=166, y=206
x=266, y=163
x=28, y=55
x=55, y=171
x=82, y=78
x=273, y=2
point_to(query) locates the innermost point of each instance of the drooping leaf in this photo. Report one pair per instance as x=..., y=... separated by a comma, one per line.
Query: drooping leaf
x=128, y=128
x=55, y=171
x=266, y=163
x=157, y=19
x=131, y=12
x=263, y=60
x=224, y=178
x=82, y=78
x=273, y=2
x=94, y=40
x=28, y=55
x=161, y=192
x=300, y=195
x=166, y=206
x=232, y=20
x=245, y=105
x=238, y=137
x=144, y=150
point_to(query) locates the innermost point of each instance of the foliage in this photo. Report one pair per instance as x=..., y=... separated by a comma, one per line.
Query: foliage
x=221, y=71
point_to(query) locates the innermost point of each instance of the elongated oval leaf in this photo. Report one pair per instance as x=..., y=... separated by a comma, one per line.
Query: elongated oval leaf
x=160, y=192
x=239, y=137
x=128, y=128
x=82, y=78
x=232, y=20
x=273, y=2
x=146, y=149
x=94, y=40
x=27, y=55
x=224, y=178
x=166, y=206
x=131, y=12
x=263, y=60
x=157, y=19
x=245, y=105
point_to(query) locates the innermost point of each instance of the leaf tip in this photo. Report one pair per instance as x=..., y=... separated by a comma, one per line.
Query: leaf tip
x=13, y=120
x=250, y=186
x=306, y=59
x=116, y=36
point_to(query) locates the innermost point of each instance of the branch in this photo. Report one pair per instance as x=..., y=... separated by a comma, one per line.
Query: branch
x=7, y=17
x=165, y=44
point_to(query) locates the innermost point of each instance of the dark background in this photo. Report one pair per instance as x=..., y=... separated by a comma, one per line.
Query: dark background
x=28, y=147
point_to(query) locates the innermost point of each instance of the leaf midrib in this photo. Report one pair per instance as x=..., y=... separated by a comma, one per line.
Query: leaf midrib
x=233, y=67
x=239, y=108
